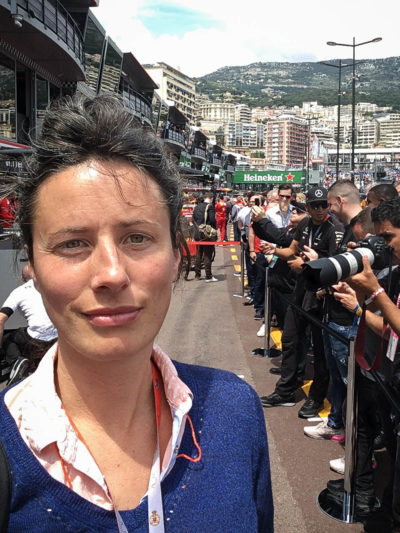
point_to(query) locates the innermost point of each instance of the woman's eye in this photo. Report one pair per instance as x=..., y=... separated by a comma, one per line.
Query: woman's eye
x=72, y=244
x=137, y=238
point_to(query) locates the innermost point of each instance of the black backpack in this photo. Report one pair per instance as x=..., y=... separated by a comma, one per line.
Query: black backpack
x=5, y=489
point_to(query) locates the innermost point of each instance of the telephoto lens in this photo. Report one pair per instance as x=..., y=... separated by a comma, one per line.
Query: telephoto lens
x=330, y=270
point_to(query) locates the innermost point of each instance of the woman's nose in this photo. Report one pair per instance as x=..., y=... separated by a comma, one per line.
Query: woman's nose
x=109, y=268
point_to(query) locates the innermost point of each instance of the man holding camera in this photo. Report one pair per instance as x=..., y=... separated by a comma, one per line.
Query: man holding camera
x=317, y=236
x=382, y=317
x=344, y=202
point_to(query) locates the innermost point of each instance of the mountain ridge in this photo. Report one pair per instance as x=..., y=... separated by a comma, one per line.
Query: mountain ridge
x=286, y=83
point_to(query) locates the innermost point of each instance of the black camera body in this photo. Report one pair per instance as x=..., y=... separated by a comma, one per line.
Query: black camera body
x=330, y=270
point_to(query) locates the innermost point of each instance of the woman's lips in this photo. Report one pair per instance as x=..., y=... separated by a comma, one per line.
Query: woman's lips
x=112, y=317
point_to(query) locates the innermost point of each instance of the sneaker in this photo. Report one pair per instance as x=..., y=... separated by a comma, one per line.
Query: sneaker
x=198, y=278
x=337, y=465
x=275, y=399
x=322, y=431
x=249, y=301
x=259, y=316
x=210, y=280
x=261, y=331
x=18, y=370
x=310, y=408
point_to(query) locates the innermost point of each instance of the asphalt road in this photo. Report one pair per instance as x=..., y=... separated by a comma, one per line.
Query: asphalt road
x=207, y=325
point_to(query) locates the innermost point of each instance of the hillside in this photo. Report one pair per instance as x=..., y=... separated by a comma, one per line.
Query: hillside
x=288, y=84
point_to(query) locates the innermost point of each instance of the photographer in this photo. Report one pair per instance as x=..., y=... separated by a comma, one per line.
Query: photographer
x=315, y=237
x=344, y=202
x=281, y=279
x=382, y=320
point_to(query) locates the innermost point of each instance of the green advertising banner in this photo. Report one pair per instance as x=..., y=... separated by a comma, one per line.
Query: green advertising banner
x=185, y=160
x=268, y=176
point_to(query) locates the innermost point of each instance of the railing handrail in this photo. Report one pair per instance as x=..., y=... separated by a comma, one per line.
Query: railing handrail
x=70, y=23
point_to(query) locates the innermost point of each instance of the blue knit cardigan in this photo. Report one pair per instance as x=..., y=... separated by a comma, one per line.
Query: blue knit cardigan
x=228, y=491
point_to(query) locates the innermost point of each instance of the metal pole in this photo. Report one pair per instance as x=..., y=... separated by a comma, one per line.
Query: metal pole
x=267, y=351
x=267, y=314
x=351, y=425
x=242, y=263
x=241, y=294
x=343, y=510
x=338, y=119
x=353, y=112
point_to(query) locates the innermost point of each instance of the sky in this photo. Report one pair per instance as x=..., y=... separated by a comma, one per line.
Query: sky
x=200, y=37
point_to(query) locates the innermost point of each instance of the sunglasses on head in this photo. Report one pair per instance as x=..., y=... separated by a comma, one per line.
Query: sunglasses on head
x=287, y=196
x=316, y=205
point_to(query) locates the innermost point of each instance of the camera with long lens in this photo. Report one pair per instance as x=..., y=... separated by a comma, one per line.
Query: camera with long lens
x=329, y=270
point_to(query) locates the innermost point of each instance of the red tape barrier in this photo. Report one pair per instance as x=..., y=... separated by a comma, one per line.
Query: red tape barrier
x=192, y=244
x=215, y=243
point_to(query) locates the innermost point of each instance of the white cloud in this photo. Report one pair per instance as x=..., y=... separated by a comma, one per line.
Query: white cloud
x=245, y=32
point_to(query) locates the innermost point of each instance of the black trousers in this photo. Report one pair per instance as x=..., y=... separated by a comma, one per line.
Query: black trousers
x=292, y=356
x=374, y=409
x=19, y=344
x=204, y=253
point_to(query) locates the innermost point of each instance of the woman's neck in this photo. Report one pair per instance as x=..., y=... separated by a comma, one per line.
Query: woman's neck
x=93, y=392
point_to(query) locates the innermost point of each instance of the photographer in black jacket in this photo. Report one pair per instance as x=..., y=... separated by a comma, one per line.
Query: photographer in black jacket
x=315, y=237
x=382, y=318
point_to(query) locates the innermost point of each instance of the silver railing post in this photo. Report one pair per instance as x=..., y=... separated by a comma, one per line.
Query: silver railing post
x=341, y=506
x=241, y=294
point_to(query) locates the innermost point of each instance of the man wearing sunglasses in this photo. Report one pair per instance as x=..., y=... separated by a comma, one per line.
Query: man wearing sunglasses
x=280, y=214
x=316, y=236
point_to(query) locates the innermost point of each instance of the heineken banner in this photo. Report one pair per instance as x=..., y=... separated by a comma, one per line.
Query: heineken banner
x=268, y=176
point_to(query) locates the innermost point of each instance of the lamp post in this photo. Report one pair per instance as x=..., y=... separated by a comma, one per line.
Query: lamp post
x=353, y=104
x=339, y=66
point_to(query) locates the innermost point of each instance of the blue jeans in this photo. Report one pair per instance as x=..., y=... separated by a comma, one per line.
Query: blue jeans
x=337, y=357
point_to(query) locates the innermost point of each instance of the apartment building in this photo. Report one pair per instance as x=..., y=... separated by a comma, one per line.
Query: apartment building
x=367, y=134
x=389, y=130
x=286, y=139
x=220, y=112
x=174, y=86
x=242, y=113
x=244, y=135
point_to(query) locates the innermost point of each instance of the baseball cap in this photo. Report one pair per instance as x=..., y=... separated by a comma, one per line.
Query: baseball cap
x=299, y=206
x=317, y=194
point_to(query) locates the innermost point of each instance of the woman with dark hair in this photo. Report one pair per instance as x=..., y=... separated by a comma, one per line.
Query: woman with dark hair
x=108, y=434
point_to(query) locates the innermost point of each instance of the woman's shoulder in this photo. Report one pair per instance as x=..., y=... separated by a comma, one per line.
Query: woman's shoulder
x=213, y=384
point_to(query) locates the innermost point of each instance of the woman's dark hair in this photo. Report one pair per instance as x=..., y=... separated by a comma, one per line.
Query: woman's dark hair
x=78, y=129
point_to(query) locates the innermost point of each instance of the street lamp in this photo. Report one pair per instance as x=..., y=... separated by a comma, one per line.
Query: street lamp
x=353, y=105
x=339, y=66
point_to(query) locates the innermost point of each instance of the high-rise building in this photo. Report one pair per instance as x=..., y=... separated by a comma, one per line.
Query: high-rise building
x=367, y=134
x=242, y=113
x=244, y=135
x=174, y=86
x=286, y=139
x=389, y=130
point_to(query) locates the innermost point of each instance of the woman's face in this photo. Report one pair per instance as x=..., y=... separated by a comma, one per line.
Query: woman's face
x=103, y=259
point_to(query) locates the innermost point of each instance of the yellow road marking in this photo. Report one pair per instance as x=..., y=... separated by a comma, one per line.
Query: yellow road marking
x=276, y=336
x=234, y=257
x=233, y=249
x=237, y=268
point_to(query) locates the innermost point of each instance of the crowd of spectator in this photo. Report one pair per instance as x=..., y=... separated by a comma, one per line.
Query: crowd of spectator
x=282, y=230
x=283, y=234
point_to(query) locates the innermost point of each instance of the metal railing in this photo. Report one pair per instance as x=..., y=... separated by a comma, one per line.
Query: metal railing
x=175, y=136
x=198, y=152
x=137, y=103
x=53, y=15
